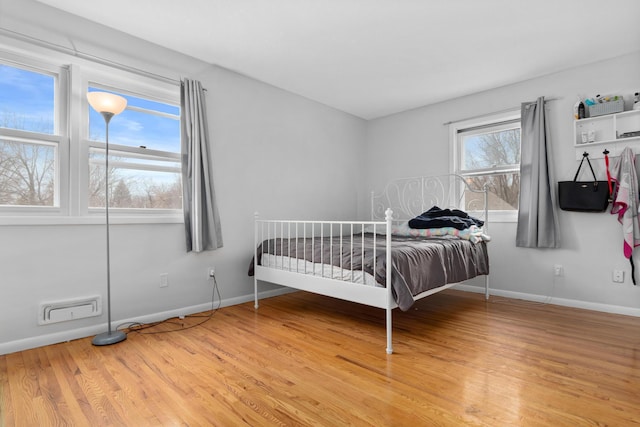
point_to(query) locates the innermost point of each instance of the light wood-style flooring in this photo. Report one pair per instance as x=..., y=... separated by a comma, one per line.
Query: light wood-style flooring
x=307, y=360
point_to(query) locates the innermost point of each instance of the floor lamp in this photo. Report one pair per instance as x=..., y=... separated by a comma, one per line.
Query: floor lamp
x=108, y=105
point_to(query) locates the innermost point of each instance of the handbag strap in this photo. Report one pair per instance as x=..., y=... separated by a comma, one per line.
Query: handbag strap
x=585, y=155
x=606, y=162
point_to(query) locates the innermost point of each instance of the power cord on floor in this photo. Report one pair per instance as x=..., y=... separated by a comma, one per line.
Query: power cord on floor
x=141, y=327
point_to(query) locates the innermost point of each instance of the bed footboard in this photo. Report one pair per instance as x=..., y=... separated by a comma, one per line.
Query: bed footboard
x=326, y=257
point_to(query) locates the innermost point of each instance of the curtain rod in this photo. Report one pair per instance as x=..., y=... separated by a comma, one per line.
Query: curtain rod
x=494, y=112
x=87, y=56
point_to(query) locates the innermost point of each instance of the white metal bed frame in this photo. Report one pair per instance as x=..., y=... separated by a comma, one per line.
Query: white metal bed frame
x=401, y=200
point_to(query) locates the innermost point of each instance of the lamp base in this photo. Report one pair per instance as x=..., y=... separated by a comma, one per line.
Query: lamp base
x=108, y=338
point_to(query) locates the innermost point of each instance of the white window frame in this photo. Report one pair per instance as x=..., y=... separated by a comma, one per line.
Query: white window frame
x=142, y=88
x=488, y=122
x=59, y=139
x=71, y=137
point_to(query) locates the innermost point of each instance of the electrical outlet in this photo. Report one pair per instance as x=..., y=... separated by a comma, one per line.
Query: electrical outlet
x=212, y=272
x=558, y=270
x=164, y=280
x=618, y=276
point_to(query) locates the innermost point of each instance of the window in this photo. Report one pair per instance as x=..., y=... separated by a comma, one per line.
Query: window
x=487, y=152
x=31, y=135
x=52, y=144
x=144, y=156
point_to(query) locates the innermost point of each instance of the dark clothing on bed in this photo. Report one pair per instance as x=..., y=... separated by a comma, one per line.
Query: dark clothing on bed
x=439, y=218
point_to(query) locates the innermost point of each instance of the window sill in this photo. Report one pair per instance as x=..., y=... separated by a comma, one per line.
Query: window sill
x=90, y=220
x=503, y=216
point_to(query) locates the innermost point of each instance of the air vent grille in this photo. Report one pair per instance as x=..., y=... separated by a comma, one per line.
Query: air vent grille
x=62, y=311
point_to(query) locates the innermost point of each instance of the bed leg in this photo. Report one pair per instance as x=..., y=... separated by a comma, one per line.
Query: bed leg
x=255, y=293
x=255, y=258
x=389, y=328
x=388, y=216
x=486, y=288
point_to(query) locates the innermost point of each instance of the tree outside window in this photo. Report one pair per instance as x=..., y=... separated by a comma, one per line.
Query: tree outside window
x=28, y=146
x=488, y=154
x=144, y=156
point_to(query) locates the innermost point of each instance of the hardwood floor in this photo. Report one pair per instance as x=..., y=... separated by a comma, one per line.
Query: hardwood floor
x=304, y=359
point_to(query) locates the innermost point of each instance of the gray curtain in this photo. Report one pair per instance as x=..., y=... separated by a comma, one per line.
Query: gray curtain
x=201, y=219
x=537, y=214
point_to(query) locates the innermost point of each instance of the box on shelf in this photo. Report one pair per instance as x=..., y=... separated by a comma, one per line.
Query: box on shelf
x=610, y=107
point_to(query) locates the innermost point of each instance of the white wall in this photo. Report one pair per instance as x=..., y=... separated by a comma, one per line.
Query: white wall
x=591, y=243
x=268, y=148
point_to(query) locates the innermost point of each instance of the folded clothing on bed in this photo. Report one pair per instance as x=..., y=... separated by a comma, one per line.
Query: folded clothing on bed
x=473, y=233
x=438, y=218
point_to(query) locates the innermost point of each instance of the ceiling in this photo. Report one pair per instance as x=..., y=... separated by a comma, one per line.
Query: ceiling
x=373, y=58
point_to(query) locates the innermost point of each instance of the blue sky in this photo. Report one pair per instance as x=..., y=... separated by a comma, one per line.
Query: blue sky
x=134, y=128
x=29, y=97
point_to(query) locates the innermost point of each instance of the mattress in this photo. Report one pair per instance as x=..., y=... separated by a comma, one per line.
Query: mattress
x=418, y=264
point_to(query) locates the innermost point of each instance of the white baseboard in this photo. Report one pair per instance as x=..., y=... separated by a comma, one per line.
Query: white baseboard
x=72, y=334
x=77, y=333
x=606, y=308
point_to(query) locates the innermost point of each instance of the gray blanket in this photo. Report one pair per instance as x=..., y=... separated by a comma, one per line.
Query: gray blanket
x=418, y=264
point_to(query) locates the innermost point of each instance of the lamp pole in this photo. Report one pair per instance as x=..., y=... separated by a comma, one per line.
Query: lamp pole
x=108, y=105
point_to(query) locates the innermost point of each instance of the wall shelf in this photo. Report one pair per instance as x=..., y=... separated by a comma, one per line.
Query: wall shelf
x=604, y=133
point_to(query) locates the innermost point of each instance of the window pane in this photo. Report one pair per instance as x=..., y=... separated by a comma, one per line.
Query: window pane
x=26, y=100
x=137, y=180
x=27, y=173
x=486, y=150
x=503, y=191
x=134, y=188
x=156, y=128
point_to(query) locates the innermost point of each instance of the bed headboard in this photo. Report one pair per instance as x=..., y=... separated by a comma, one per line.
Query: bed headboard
x=409, y=197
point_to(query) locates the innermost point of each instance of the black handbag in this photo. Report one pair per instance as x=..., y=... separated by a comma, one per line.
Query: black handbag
x=584, y=196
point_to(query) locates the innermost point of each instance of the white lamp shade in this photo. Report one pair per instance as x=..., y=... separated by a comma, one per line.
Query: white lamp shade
x=104, y=102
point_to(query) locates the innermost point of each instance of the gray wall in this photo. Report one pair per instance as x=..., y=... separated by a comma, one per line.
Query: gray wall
x=417, y=143
x=268, y=148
